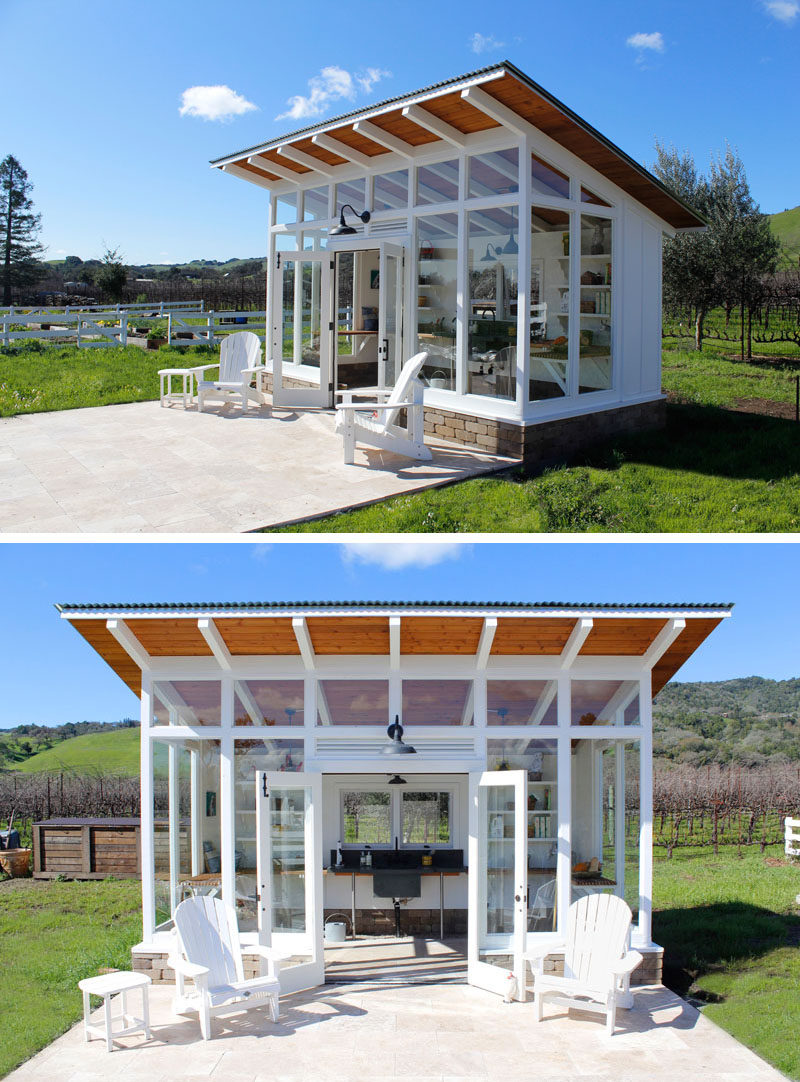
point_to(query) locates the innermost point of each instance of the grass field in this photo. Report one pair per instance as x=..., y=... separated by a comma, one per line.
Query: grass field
x=786, y=226
x=729, y=926
x=52, y=935
x=114, y=752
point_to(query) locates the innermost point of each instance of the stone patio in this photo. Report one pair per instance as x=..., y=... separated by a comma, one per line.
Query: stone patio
x=374, y=1031
x=140, y=468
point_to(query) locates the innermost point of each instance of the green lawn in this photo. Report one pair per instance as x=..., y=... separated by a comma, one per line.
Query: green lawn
x=730, y=928
x=35, y=378
x=51, y=936
x=114, y=752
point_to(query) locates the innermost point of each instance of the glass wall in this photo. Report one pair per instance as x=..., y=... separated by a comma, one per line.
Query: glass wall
x=286, y=208
x=187, y=702
x=437, y=183
x=549, y=299
x=315, y=204
x=437, y=702
x=390, y=190
x=547, y=180
x=437, y=246
x=493, y=284
x=595, y=346
x=352, y=192
x=268, y=702
x=521, y=702
x=353, y=702
x=496, y=173
x=605, y=702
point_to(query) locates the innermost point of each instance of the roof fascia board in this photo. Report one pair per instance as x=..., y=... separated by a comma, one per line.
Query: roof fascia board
x=123, y=612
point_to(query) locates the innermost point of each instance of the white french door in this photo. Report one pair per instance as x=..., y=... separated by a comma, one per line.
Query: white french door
x=290, y=905
x=390, y=312
x=302, y=332
x=498, y=880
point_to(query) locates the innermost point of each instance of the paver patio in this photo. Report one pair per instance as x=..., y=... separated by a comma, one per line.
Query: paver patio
x=439, y=1032
x=139, y=468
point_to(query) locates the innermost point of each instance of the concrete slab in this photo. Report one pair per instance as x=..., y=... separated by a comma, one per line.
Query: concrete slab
x=375, y=1029
x=140, y=468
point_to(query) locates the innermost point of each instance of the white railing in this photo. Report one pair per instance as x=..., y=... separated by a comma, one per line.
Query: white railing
x=179, y=329
x=792, y=837
x=85, y=329
x=50, y=313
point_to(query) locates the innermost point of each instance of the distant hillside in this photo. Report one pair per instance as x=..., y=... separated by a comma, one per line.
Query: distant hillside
x=112, y=752
x=786, y=227
x=746, y=721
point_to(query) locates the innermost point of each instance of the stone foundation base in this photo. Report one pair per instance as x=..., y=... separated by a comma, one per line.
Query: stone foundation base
x=412, y=921
x=155, y=966
x=547, y=442
x=649, y=972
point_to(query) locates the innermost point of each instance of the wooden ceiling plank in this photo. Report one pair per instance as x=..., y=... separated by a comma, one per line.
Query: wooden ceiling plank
x=384, y=138
x=129, y=643
x=282, y=171
x=494, y=109
x=208, y=629
x=342, y=150
x=307, y=160
x=254, y=176
x=437, y=127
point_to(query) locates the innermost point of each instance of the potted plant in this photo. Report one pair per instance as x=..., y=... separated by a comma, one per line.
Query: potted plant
x=157, y=334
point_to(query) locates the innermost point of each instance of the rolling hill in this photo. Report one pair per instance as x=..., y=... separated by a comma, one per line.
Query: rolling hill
x=786, y=227
x=113, y=752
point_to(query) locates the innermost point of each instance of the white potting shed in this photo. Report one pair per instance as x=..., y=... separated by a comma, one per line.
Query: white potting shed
x=506, y=237
x=268, y=775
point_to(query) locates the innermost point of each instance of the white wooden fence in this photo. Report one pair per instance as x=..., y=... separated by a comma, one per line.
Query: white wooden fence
x=179, y=329
x=792, y=837
x=50, y=313
x=85, y=329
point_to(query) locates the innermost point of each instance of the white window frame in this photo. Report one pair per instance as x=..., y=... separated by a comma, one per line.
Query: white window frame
x=396, y=811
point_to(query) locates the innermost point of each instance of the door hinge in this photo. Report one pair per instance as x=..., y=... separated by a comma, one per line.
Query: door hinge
x=330, y=325
x=332, y=264
x=278, y=260
x=264, y=787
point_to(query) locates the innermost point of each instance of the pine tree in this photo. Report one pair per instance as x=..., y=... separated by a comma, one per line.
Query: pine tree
x=18, y=229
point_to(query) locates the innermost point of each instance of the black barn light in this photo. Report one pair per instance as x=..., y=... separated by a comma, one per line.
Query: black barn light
x=343, y=229
x=397, y=747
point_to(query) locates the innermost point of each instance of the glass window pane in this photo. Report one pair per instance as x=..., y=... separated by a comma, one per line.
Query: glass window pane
x=315, y=204
x=500, y=877
x=437, y=245
x=494, y=174
x=605, y=702
x=437, y=183
x=316, y=241
x=590, y=197
x=425, y=819
x=268, y=702
x=390, y=190
x=547, y=180
x=352, y=192
x=353, y=702
x=187, y=702
x=437, y=702
x=549, y=334
x=366, y=818
x=493, y=283
x=522, y=702
x=596, y=304
x=286, y=208
x=287, y=827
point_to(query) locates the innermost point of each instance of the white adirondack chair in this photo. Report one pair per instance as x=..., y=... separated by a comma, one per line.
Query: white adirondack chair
x=597, y=960
x=374, y=423
x=239, y=361
x=210, y=955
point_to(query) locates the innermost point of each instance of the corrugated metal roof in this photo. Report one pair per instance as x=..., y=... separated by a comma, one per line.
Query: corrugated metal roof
x=226, y=606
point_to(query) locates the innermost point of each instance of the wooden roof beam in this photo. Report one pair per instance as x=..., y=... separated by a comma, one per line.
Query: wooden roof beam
x=307, y=160
x=578, y=637
x=210, y=632
x=662, y=642
x=129, y=643
x=494, y=109
x=384, y=139
x=488, y=633
x=279, y=170
x=433, y=124
x=342, y=150
x=245, y=174
x=300, y=629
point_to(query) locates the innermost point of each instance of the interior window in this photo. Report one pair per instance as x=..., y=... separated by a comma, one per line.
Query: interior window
x=425, y=819
x=366, y=818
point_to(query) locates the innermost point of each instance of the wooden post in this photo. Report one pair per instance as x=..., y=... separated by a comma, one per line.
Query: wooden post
x=86, y=849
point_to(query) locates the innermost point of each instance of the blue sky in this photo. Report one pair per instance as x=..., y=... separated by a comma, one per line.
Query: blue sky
x=49, y=674
x=92, y=94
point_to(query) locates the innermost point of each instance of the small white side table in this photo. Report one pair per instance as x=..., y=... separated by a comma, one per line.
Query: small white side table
x=185, y=395
x=106, y=986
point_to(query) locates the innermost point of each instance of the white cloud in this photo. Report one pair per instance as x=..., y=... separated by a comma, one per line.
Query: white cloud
x=394, y=556
x=654, y=42
x=332, y=84
x=786, y=11
x=261, y=552
x=485, y=43
x=214, y=103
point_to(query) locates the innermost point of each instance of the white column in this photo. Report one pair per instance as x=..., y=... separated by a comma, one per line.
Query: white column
x=227, y=794
x=146, y=826
x=174, y=825
x=196, y=786
x=524, y=275
x=564, y=859
x=619, y=818
x=310, y=718
x=646, y=809
x=480, y=720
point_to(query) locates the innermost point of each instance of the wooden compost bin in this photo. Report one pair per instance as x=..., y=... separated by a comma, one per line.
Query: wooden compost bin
x=86, y=848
